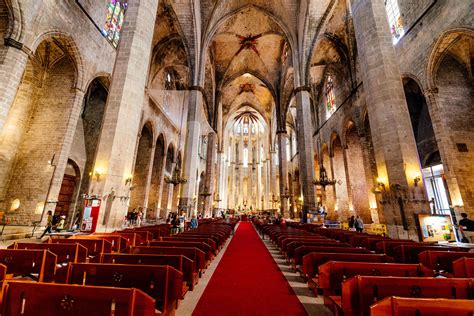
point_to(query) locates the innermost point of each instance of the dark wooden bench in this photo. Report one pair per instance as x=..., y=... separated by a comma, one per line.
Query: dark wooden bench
x=284, y=242
x=33, y=299
x=397, y=306
x=371, y=242
x=133, y=239
x=312, y=261
x=463, y=268
x=3, y=272
x=144, y=235
x=179, y=262
x=333, y=273
x=94, y=246
x=358, y=240
x=119, y=243
x=212, y=243
x=387, y=246
x=302, y=251
x=185, y=244
x=442, y=261
x=39, y=265
x=65, y=253
x=291, y=247
x=359, y=292
x=163, y=283
x=215, y=238
x=409, y=253
x=195, y=254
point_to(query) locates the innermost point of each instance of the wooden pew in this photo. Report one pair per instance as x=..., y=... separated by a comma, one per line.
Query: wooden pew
x=133, y=238
x=179, y=237
x=292, y=246
x=3, y=272
x=163, y=283
x=333, y=273
x=179, y=262
x=359, y=292
x=28, y=298
x=65, y=253
x=178, y=243
x=287, y=240
x=214, y=238
x=302, y=251
x=29, y=263
x=94, y=246
x=358, y=240
x=145, y=235
x=198, y=256
x=395, y=306
x=442, y=261
x=387, y=246
x=119, y=243
x=463, y=268
x=371, y=242
x=409, y=253
x=312, y=261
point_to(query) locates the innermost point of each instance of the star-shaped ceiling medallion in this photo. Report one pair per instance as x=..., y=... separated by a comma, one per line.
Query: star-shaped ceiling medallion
x=247, y=87
x=248, y=42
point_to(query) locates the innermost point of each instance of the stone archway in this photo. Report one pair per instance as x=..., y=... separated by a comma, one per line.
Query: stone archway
x=339, y=171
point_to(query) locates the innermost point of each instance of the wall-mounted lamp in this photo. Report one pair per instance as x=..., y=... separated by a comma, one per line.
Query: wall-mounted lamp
x=129, y=180
x=416, y=180
x=97, y=174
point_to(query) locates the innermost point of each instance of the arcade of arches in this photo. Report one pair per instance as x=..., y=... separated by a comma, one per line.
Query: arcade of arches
x=248, y=101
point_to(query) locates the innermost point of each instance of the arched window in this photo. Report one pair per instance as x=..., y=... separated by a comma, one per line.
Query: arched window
x=329, y=95
x=394, y=20
x=114, y=20
x=238, y=128
x=245, y=159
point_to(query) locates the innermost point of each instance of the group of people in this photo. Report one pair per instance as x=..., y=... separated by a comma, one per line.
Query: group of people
x=135, y=217
x=178, y=222
x=56, y=222
x=356, y=223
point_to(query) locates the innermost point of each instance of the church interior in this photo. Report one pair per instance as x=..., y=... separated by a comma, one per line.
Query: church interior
x=237, y=157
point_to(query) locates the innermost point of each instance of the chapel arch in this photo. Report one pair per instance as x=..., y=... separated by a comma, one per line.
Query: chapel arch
x=165, y=205
x=142, y=169
x=339, y=172
x=157, y=174
x=40, y=127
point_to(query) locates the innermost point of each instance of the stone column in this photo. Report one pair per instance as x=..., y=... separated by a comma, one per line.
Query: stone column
x=13, y=59
x=210, y=172
x=117, y=143
x=305, y=150
x=272, y=172
x=191, y=150
x=449, y=157
x=282, y=137
x=394, y=145
x=220, y=175
x=148, y=180
x=161, y=183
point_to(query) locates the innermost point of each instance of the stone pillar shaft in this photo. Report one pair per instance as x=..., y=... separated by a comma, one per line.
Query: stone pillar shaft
x=282, y=137
x=210, y=172
x=305, y=149
x=394, y=145
x=115, y=155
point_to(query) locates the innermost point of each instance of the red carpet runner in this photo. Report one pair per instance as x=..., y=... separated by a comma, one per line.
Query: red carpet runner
x=247, y=281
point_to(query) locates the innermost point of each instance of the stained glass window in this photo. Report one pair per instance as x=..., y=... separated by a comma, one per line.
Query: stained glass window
x=394, y=20
x=330, y=99
x=114, y=20
x=246, y=128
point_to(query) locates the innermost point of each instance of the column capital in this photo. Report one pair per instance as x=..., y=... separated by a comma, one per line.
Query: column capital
x=281, y=131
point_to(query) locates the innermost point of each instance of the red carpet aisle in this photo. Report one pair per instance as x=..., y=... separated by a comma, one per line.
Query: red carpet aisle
x=247, y=281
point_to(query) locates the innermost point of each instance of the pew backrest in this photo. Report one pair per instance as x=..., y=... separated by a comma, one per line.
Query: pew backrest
x=359, y=292
x=463, y=268
x=30, y=263
x=94, y=246
x=163, y=283
x=442, y=260
x=28, y=298
x=197, y=255
x=399, y=306
x=65, y=252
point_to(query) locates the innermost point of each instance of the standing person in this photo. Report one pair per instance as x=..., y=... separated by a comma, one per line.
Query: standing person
x=174, y=223
x=60, y=225
x=359, y=224
x=182, y=221
x=351, y=222
x=194, y=222
x=49, y=225
x=139, y=218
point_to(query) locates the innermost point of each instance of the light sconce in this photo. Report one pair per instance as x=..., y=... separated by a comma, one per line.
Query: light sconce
x=416, y=180
x=129, y=180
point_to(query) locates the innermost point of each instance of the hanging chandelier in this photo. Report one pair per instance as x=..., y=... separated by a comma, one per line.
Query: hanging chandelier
x=175, y=177
x=323, y=180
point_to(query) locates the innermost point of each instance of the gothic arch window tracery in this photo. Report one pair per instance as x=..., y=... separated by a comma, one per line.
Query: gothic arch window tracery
x=394, y=20
x=330, y=99
x=114, y=20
